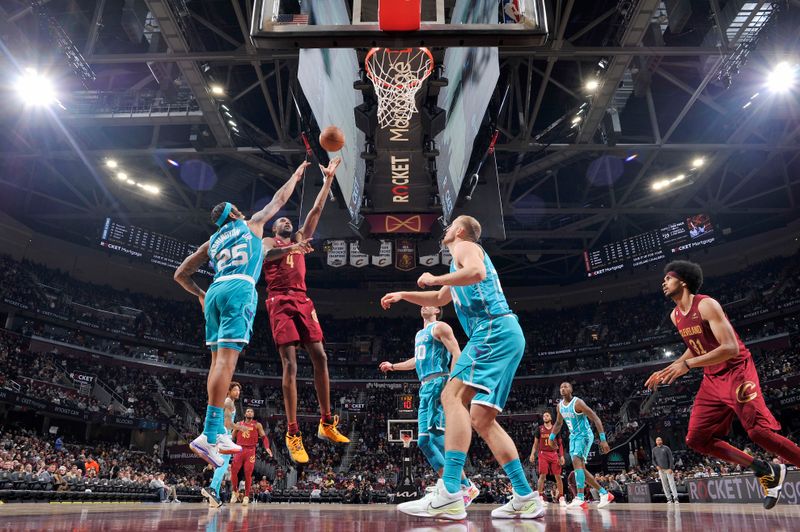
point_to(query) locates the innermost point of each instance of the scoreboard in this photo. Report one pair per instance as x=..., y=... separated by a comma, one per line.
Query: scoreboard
x=146, y=245
x=656, y=245
x=405, y=406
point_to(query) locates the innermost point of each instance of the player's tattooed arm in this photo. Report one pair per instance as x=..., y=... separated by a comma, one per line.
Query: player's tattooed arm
x=257, y=221
x=272, y=253
x=582, y=408
x=229, y=424
x=189, y=266
x=444, y=333
x=312, y=219
x=471, y=270
x=406, y=365
x=439, y=298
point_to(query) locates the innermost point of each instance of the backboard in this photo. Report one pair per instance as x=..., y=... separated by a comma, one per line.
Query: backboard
x=396, y=427
x=290, y=24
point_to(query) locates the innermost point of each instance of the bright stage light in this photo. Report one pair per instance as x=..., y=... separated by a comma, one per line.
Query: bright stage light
x=35, y=89
x=592, y=84
x=111, y=163
x=173, y=162
x=217, y=90
x=698, y=162
x=122, y=176
x=658, y=185
x=783, y=77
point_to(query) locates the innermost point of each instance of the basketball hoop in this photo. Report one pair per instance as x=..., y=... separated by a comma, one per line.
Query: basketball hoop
x=397, y=76
x=406, y=437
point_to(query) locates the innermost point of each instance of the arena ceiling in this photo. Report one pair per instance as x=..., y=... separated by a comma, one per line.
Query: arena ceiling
x=682, y=93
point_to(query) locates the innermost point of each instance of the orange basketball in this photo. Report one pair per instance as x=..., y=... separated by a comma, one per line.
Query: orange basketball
x=331, y=139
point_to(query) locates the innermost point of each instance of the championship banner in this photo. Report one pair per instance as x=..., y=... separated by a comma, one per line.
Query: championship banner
x=401, y=223
x=357, y=259
x=384, y=258
x=447, y=258
x=337, y=254
x=429, y=260
x=405, y=255
x=740, y=489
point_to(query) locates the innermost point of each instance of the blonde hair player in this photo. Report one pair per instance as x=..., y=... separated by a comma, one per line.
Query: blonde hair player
x=481, y=378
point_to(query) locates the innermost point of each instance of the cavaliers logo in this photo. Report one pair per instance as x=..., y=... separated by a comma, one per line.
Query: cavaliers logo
x=253, y=459
x=746, y=392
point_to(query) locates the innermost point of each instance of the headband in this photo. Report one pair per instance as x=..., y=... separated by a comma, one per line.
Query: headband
x=225, y=213
x=674, y=274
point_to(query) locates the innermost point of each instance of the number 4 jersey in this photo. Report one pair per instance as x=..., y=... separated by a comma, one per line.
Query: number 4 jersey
x=700, y=339
x=288, y=273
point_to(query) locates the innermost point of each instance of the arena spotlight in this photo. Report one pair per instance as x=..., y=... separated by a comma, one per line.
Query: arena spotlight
x=680, y=177
x=592, y=85
x=658, y=185
x=111, y=163
x=232, y=123
x=131, y=182
x=783, y=77
x=173, y=162
x=35, y=89
x=217, y=90
x=698, y=162
x=631, y=157
x=122, y=176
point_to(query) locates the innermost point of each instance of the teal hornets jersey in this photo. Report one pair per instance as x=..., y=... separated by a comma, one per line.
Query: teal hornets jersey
x=430, y=354
x=577, y=422
x=235, y=250
x=481, y=301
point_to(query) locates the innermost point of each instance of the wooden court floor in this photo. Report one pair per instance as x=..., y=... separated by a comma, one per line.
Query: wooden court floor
x=384, y=518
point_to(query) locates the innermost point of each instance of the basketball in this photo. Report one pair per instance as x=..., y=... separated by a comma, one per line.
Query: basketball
x=331, y=139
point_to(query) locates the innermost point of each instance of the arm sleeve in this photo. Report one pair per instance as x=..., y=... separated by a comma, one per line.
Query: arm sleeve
x=265, y=441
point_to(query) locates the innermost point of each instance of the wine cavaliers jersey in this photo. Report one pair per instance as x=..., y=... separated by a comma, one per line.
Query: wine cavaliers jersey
x=700, y=339
x=544, y=438
x=288, y=273
x=249, y=436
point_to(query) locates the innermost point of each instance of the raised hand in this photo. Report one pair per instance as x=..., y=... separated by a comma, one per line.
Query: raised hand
x=390, y=299
x=385, y=367
x=425, y=280
x=301, y=170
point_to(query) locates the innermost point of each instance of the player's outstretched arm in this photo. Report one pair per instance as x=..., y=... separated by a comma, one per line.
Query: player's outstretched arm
x=439, y=298
x=556, y=429
x=264, y=438
x=469, y=257
x=444, y=333
x=406, y=365
x=272, y=253
x=312, y=219
x=189, y=266
x=257, y=221
x=583, y=408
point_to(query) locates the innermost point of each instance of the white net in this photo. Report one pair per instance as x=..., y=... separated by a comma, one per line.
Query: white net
x=398, y=76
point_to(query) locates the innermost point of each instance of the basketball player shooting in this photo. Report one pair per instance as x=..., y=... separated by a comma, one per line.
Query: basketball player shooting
x=294, y=321
x=730, y=384
x=247, y=433
x=481, y=378
x=229, y=305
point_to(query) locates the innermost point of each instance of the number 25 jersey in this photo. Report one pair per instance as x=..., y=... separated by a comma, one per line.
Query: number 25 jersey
x=236, y=252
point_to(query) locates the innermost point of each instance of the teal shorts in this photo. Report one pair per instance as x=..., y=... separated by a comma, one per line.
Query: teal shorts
x=430, y=414
x=579, y=446
x=490, y=359
x=230, y=309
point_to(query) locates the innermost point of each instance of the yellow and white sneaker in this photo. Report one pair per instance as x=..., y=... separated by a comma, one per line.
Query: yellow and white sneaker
x=246, y=500
x=438, y=504
x=527, y=507
x=297, y=452
x=234, y=497
x=328, y=431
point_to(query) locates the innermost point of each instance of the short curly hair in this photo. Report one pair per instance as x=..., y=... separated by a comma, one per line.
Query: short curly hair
x=689, y=272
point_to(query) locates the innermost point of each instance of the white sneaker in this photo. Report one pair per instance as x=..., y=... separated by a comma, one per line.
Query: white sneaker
x=605, y=500
x=226, y=446
x=527, y=507
x=207, y=451
x=246, y=500
x=677, y=501
x=175, y=501
x=437, y=503
x=234, y=497
x=578, y=504
x=542, y=502
x=470, y=493
x=562, y=502
x=669, y=501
